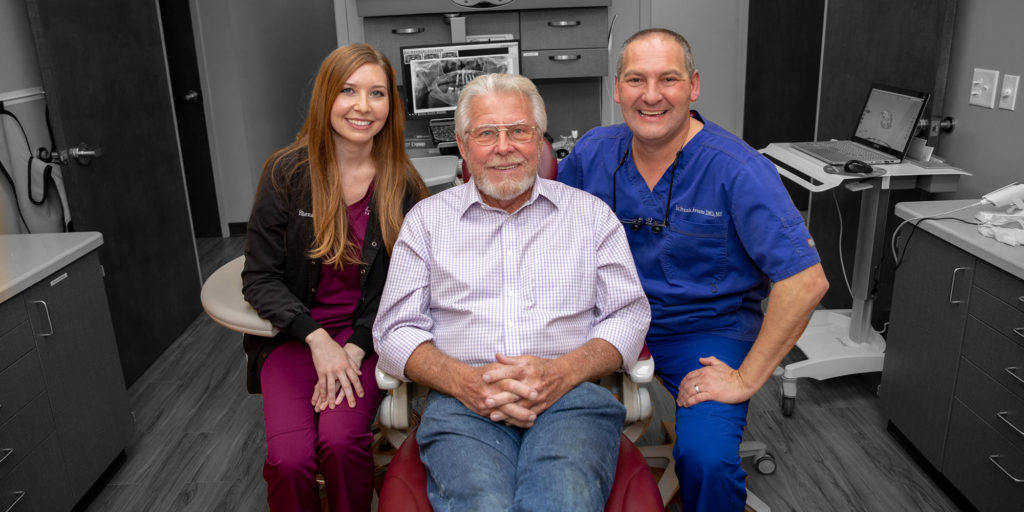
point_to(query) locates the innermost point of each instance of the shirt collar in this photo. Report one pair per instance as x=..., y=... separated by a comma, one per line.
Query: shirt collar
x=541, y=188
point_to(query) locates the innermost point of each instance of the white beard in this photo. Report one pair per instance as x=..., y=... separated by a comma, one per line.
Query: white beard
x=507, y=189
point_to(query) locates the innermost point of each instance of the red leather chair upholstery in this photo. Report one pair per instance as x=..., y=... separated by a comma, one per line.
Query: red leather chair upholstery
x=548, y=164
x=634, y=489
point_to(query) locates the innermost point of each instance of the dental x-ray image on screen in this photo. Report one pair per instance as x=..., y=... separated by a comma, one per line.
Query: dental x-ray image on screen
x=436, y=75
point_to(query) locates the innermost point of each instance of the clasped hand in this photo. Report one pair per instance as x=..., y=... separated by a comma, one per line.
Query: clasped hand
x=337, y=370
x=516, y=389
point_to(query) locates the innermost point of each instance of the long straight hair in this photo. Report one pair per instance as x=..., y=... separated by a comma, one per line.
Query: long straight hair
x=314, y=146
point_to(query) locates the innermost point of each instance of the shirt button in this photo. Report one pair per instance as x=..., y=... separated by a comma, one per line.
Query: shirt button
x=363, y=271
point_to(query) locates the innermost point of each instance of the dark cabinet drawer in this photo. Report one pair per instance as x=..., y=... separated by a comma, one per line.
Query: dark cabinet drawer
x=390, y=33
x=998, y=315
x=37, y=484
x=991, y=402
x=548, y=29
x=19, y=384
x=20, y=435
x=15, y=343
x=580, y=62
x=12, y=313
x=1000, y=284
x=982, y=464
x=492, y=23
x=995, y=355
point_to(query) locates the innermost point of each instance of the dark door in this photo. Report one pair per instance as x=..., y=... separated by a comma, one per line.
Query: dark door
x=188, y=110
x=905, y=43
x=106, y=83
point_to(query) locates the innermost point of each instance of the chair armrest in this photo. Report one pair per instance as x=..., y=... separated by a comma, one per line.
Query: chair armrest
x=385, y=381
x=643, y=371
x=222, y=299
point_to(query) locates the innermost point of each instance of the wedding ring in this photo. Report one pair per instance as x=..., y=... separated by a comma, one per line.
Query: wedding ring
x=696, y=388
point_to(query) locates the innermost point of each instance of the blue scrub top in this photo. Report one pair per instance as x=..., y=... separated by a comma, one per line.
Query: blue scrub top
x=732, y=228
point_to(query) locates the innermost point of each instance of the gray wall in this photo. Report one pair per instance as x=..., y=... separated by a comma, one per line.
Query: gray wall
x=258, y=60
x=986, y=142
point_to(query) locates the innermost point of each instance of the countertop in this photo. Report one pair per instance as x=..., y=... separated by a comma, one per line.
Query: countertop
x=965, y=236
x=26, y=259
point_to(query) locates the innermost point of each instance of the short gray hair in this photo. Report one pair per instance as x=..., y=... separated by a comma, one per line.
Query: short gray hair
x=499, y=83
x=691, y=67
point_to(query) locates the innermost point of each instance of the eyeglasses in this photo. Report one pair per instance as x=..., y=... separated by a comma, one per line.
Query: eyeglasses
x=487, y=135
x=639, y=222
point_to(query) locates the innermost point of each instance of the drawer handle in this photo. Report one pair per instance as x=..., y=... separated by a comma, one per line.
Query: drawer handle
x=1019, y=331
x=565, y=57
x=1001, y=468
x=1012, y=370
x=48, y=321
x=563, y=23
x=952, y=285
x=7, y=453
x=20, y=495
x=408, y=31
x=1002, y=415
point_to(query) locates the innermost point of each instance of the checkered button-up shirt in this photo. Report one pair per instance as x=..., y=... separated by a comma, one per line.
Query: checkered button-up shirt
x=478, y=281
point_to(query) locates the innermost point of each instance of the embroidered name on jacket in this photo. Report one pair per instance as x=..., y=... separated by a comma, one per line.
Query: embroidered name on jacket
x=305, y=214
x=709, y=213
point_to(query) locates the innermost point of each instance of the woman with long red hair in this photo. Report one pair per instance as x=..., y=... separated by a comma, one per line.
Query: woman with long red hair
x=326, y=215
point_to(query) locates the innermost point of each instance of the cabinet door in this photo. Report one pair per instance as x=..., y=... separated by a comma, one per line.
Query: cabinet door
x=75, y=339
x=390, y=33
x=929, y=311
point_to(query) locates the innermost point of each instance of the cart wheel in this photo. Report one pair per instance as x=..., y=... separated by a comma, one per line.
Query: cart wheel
x=765, y=464
x=788, y=404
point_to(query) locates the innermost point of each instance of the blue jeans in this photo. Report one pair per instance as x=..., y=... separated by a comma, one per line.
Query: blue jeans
x=708, y=435
x=566, y=461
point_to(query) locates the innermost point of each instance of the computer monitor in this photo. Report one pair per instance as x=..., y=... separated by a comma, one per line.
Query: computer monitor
x=434, y=75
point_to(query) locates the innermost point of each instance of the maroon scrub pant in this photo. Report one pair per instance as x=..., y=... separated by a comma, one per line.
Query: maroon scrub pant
x=336, y=442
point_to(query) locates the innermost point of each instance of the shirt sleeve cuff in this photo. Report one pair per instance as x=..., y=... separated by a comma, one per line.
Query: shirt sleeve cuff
x=397, y=347
x=301, y=326
x=626, y=338
x=362, y=338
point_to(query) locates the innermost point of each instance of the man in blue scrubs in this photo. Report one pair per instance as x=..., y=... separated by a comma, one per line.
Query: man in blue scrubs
x=713, y=232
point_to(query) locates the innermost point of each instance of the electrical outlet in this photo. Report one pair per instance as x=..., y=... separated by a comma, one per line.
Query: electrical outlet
x=1008, y=92
x=983, y=88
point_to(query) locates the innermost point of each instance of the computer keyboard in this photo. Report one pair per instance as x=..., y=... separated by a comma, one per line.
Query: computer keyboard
x=442, y=130
x=843, y=150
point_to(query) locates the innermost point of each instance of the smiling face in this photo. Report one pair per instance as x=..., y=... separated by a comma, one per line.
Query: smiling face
x=504, y=172
x=655, y=92
x=361, y=108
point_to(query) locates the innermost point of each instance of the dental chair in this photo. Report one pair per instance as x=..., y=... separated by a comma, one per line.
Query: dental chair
x=405, y=484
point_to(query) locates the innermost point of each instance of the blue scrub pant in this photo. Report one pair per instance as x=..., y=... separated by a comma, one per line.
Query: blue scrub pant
x=565, y=462
x=708, y=435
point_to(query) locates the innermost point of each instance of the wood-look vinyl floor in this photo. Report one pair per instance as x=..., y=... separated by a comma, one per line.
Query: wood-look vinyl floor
x=199, y=446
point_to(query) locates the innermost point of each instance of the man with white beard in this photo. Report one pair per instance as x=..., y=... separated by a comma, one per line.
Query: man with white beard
x=508, y=296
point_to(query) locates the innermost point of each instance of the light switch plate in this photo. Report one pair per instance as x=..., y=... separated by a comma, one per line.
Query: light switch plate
x=1008, y=92
x=983, y=88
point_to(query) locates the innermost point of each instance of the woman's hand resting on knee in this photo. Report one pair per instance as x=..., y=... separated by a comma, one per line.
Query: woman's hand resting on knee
x=337, y=370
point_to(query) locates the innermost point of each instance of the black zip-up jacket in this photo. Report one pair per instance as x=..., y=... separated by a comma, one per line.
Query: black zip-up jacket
x=279, y=279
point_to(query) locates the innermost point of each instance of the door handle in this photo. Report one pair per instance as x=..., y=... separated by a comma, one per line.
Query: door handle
x=189, y=95
x=82, y=154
